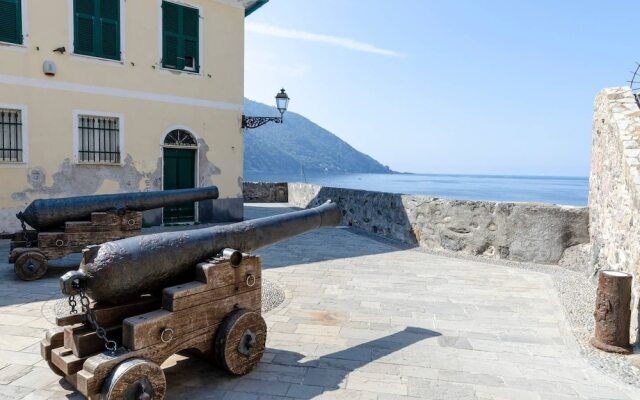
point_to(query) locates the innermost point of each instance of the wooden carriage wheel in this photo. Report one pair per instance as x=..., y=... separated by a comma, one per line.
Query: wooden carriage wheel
x=135, y=379
x=30, y=265
x=240, y=341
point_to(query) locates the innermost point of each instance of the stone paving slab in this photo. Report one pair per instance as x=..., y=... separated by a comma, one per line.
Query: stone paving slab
x=363, y=319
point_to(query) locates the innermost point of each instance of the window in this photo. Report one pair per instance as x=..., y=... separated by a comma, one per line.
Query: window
x=11, y=135
x=97, y=28
x=11, y=21
x=180, y=42
x=99, y=140
x=180, y=138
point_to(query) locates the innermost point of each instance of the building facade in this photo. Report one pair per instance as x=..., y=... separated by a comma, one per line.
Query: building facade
x=106, y=96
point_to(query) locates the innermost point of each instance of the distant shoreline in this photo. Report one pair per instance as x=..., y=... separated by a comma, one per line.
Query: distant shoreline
x=507, y=176
x=568, y=190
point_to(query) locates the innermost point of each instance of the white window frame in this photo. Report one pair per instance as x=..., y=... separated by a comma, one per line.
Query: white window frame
x=72, y=50
x=76, y=135
x=200, y=40
x=24, y=116
x=25, y=29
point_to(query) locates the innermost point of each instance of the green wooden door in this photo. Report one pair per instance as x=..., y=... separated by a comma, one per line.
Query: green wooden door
x=179, y=173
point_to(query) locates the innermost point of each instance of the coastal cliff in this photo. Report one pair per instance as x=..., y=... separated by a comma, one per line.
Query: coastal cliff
x=300, y=145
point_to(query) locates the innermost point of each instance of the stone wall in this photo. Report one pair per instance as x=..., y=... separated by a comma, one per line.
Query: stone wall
x=265, y=192
x=614, y=187
x=513, y=231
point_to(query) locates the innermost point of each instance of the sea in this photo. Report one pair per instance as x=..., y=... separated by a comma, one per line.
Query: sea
x=563, y=190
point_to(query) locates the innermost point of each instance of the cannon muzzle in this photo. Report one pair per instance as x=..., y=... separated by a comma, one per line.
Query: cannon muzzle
x=50, y=213
x=118, y=271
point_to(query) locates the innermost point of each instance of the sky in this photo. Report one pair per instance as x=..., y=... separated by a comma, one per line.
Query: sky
x=462, y=87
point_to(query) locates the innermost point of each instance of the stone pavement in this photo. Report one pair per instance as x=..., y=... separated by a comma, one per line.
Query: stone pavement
x=363, y=319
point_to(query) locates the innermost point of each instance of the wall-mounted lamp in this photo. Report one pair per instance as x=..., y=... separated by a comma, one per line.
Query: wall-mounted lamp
x=282, y=102
x=60, y=50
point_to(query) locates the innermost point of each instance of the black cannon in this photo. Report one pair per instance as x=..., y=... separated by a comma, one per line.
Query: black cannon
x=44, y=214
x=117, y=271
x=67, y=225
x=148, y=297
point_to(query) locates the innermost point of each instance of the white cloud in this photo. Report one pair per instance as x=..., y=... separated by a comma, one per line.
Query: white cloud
x=271, y=30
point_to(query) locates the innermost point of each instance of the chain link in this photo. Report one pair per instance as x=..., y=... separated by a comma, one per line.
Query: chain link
x=25, y=233
x=110, y=345
x=73, y=304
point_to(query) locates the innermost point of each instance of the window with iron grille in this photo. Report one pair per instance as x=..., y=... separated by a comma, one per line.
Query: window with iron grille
x=10, y=135
x=99, y=140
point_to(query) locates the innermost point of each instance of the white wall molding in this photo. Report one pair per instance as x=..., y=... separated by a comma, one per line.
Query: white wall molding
x=116, y=92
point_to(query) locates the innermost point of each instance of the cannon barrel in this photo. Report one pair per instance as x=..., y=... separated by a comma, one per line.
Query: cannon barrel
x=50, y=213
x=117, y=271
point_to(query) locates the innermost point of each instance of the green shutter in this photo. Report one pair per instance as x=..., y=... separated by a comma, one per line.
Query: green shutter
x=190, y=31
x=170, y=34
x=11, y=21
x=97, y=28
x=83, y=35
x=110, y=29
x=180, y=31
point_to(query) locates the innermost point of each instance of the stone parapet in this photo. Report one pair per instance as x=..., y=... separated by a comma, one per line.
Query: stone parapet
x=513, y=231
x=614, y=187
x=265, y=192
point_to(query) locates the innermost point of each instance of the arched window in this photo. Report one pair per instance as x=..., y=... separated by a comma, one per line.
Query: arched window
x=180, y=138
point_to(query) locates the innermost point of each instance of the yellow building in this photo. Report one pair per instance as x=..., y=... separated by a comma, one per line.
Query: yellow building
x=105, y=96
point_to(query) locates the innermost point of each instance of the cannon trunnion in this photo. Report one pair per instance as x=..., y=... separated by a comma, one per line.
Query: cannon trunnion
x=216, y=317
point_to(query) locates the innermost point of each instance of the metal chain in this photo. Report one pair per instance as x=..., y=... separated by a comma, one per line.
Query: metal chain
x=110, y=345
x=73, y=304
x=25, y=234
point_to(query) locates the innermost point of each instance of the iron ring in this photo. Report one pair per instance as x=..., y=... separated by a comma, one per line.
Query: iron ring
x=166, y=331
x=251, y=280
x=59, y=242
x=111, y=345
x=131, y=222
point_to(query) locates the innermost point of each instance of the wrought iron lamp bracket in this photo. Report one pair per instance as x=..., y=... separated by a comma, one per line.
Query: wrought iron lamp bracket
x=254, y=122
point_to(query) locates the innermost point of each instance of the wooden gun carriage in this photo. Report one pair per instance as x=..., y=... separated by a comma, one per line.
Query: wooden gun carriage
x=31, y=250
x=217, y=316
x=67, y=225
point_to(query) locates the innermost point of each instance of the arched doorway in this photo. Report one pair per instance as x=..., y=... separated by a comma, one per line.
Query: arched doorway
x=179, y=172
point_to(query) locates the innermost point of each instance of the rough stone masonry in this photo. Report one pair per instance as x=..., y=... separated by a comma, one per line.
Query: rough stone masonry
x=614, y=188
x=528, y=232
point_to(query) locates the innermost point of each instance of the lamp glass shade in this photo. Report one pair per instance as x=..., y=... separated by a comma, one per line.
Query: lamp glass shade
x=282, y=101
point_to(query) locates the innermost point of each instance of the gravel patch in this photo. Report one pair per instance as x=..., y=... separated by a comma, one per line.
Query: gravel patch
x=272, y=295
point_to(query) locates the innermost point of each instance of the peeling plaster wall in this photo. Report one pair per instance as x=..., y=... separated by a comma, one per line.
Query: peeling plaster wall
x=151, y=101
x=53, y=172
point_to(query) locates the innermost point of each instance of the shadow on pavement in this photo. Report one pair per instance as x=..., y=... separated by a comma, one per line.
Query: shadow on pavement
x=288, y=373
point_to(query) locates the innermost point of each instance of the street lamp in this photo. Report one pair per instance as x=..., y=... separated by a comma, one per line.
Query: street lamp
x=282, y=102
